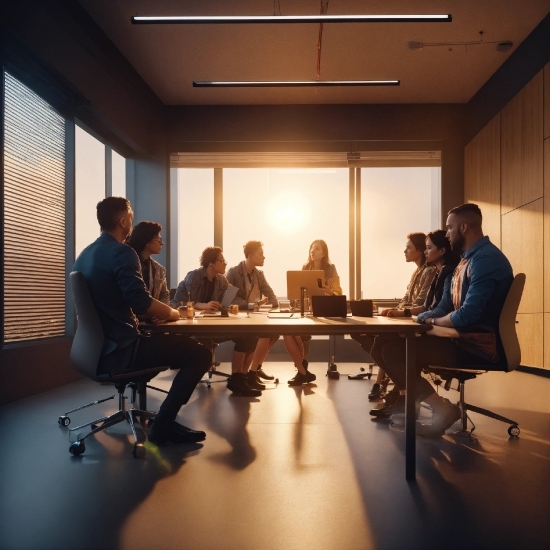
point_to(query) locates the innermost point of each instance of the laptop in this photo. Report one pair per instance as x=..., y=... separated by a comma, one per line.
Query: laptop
x=329, y=306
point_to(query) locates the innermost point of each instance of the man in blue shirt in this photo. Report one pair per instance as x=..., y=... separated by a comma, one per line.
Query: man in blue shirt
x=471, y=305
x=112, y=272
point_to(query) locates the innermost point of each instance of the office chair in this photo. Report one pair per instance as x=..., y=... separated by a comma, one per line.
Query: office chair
x=512, y=352
x=86, y=359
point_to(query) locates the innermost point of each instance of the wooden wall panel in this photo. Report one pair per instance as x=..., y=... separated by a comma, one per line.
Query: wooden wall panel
x=547, y=228
x=547, y=341
x=532, y=139
x=482, y=176
x=547, y=100
x=522, y=242
x=510, y=155
x=530, y=331
x=521, y=146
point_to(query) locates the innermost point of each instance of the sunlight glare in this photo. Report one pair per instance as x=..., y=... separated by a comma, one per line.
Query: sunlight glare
x=288, y=212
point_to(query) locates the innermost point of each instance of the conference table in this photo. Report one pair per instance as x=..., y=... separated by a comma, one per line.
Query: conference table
x=265, y=324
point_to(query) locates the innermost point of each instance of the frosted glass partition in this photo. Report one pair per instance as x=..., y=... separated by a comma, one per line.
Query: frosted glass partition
x=89, y=187
x=118, y=175
x=394, y=203
x=195, y=217
x=286, y=209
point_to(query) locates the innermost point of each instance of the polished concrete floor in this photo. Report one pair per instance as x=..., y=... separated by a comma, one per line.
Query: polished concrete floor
x=299, y=468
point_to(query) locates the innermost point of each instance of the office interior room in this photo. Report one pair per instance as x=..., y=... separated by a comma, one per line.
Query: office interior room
x=469, y=122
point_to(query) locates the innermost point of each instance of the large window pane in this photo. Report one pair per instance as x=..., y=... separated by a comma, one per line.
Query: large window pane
x=195, y=221
x=89, y=187
x=286, y=209
x=394, y=203
x=118, y=175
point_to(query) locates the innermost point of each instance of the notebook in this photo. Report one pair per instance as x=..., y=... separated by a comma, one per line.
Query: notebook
x=329, y=306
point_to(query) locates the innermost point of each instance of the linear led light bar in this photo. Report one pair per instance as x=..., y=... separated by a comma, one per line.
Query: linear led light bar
x=292, y=83
x=237, y=19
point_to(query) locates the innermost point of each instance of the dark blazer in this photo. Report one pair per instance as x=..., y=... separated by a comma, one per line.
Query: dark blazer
x=438, y=284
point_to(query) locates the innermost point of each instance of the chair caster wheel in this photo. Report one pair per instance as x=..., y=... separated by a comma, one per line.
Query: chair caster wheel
x=362, y=369
x=77, y=448
x=369, y=375
x=139, y=450
x=64, y=420
x=276, y=380
x=333, y=374
x=514, y=430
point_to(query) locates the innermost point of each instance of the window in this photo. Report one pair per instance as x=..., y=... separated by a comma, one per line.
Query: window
x=118, y=175
x=89, y=187
x=34, y=216
x=195, y=218
x=394, y=203
x=286, y=209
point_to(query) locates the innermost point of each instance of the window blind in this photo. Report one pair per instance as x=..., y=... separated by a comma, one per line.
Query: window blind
x=34, y=216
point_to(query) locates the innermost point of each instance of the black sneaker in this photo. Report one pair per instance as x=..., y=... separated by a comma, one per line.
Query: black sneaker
x=184, y=430
x=253, y=381
x=238, y=384
x=387, y=410
x=375, y=393
x=300, y=379
x=172, y=432
x=262, y=374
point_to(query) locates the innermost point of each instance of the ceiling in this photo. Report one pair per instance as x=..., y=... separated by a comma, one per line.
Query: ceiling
x=170, y=57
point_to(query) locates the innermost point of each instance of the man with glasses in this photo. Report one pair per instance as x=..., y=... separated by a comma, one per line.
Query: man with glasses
x=205, y=287
x=113, y=274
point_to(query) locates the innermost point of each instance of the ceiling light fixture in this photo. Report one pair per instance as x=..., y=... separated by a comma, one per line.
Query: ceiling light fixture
x=238, y=19
x=291, y=83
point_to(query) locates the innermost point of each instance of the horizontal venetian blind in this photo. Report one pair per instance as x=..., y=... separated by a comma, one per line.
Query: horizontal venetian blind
x=34, y=216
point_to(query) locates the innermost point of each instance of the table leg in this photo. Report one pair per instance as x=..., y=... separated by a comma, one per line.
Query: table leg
x=410, y=420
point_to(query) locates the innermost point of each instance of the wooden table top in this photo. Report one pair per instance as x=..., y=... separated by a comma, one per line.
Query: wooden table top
x=264, y=324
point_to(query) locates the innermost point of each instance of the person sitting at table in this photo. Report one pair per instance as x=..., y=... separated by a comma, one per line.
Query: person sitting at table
x=113, y=274
x=318, y=259
x=254, y=288
x=471, y=305
x=417, y=291
x=205, y=287
x=440, y=255
x=145, y=239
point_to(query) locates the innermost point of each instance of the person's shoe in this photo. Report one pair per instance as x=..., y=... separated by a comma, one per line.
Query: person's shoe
x=184, y=430
x=300, y=379
x=171, y=432
x=238, y=384
x=253, y=381
x=442, y=420
x=375, y=393
x=262, y=374
x=386, y=411
x=391, y=397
